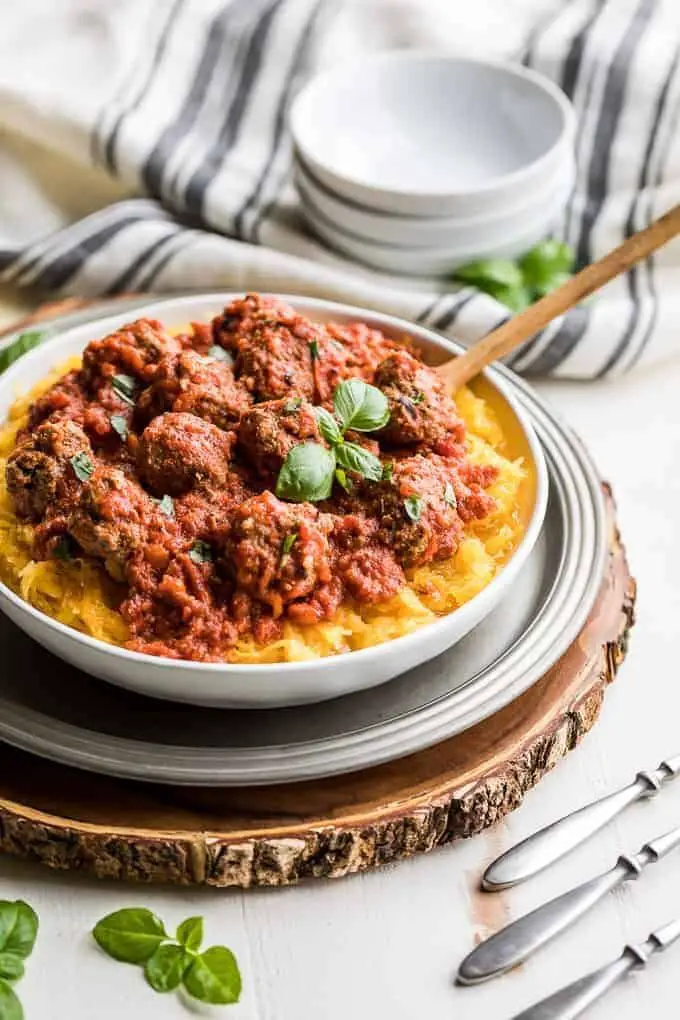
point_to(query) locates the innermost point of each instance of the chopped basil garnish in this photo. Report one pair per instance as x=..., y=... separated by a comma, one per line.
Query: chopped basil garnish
x=166, y=506
x=413, y=505
x=328, y=426
x=388, y=471
x=342, y=479
x=418, y=398
x=82, y=466
x=288, y=543
x=450, y=496
x=120, y=425
x=219, y=354
x=21, y=345
x=314, y=349
x=307, y=474
x=126, y=387
x=292, y=405
x=360, y=406
x=201, y=552
x=63, y=548
x=355, y=458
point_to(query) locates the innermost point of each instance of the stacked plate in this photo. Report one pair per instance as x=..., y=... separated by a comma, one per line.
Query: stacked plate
x=417, y=164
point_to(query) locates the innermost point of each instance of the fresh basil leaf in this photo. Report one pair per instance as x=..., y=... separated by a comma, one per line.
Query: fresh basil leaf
x=164, y=970
x=418, y=398
x=328, y=426
x=18, y=928
x=490, y=272
x=413, y=505
x=131, y=935
x=82, y=466
x=450, y=496
x=360, y=406
x=190, y=931
x=126, y=387
x=307, y=474
x=166, y=506
x=214, y=977
x=119, y=424
x=10, y=1007
x=288, y=543
x=355, y=458
x=314, y=349
x=545, y=262
x=11, y=967
x=342, y=479
x=388, y=471
x=24, y=343
x=201, y=552
x=219, y=354
x=555, y=281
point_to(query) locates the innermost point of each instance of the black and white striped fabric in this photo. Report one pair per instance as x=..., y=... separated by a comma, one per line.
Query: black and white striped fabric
x=165, y=122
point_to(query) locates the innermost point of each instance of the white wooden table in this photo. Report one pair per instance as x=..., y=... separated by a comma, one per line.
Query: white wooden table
x=386, y=944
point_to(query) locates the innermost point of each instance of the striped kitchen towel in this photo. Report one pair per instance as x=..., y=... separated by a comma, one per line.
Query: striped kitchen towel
x=144, y=146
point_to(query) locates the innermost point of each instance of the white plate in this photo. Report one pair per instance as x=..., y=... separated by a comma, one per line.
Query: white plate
x=262, y=686
x=430, y=134
x=52, y=710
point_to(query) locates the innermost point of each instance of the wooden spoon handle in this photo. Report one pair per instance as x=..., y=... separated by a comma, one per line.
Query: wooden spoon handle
x=521, y=327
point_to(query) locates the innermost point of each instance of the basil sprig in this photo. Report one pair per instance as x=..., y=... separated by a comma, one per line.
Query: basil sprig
x=519, y=283
x=18, y=932
x=22, y=344
x=309, y=470
x=136, y=935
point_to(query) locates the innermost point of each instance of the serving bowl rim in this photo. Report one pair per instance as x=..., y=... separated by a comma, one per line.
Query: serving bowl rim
x=9, y=381
x=496, y=185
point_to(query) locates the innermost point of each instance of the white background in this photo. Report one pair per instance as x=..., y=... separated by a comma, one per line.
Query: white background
x=386, y=944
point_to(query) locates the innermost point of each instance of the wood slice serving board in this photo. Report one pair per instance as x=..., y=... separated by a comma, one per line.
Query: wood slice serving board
x=115, y=828
x=325, y=828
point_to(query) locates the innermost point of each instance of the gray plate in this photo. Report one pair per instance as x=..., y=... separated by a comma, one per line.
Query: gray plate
x=49, y=708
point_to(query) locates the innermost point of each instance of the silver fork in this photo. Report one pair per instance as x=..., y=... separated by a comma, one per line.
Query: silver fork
x=554, y=841
x=570, y=1001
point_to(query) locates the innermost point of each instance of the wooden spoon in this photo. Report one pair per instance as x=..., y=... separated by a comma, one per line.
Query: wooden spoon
x=521, y=327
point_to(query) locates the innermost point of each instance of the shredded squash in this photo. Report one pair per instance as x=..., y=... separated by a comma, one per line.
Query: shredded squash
x=80, y=593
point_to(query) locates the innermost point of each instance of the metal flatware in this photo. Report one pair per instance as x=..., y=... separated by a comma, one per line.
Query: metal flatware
x=570, y=1001
x=518, y=940
x=554, y=841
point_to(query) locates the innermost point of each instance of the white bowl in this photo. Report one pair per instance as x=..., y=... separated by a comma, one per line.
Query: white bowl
x=441, y=259
x=432, y=135
x=480, y=231
x=264, y=686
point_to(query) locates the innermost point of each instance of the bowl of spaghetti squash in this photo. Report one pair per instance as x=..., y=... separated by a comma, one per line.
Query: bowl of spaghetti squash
x=257, y=501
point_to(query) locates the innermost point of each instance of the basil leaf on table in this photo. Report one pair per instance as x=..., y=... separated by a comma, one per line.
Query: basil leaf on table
x=164, y=970
x=328, y=426
x=190, y=932
x=22, y=344
x=356, y=458
x=11, y=967
x=360, y=406
x=131, y=935
x=545, y=263
x=307, y=473
x=214, y=977
x=18, y=928
x=10, y=1007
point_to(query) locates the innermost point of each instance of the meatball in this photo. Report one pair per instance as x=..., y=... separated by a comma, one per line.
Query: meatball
x=350, y=351
x=421, y=412
x=274, y=347
x=134, y=350
x=417, y=510
x=114, y=518
x=270, y=430
x=41, y=471
x=179, y=451
x=278, y=552
x=197, y=385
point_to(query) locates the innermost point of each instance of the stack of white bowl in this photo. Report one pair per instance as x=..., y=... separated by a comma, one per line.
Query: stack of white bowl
x=417, y=164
